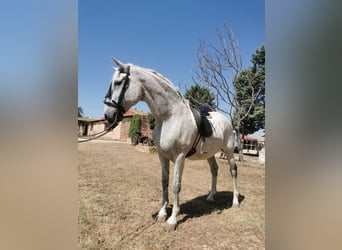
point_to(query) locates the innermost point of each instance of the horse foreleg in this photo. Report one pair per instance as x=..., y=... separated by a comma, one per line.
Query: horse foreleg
x=213, y=169
x=165, y=166
x=176, y=187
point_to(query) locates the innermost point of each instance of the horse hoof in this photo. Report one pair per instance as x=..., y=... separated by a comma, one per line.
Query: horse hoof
x=236, y=205
x=161, y=219
x=169, y=228
x=210, y=199
x=219, y=211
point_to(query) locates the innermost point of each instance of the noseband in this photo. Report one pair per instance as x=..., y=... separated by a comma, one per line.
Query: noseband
x=119, y=104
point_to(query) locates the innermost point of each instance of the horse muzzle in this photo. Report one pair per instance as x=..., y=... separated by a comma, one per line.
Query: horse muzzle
x=110, y=120
x=113, y=115
x=110, y=113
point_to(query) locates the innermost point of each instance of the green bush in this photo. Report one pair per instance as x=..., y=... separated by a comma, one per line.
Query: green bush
x=150, y=120
x=135, y=125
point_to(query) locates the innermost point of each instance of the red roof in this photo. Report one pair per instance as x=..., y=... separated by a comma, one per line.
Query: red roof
x=131, y=112
x=248, y=138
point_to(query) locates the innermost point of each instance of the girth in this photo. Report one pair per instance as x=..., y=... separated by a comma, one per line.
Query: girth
x=203, y=125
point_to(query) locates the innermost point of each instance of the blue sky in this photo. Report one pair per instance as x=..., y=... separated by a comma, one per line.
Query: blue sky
x=162, y=35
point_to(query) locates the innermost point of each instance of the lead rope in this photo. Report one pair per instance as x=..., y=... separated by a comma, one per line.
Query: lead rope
x=102, y=133
x=94, y=137
x=98, y=135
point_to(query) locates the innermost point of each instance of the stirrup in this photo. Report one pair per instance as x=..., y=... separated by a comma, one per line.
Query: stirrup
x=202, y=142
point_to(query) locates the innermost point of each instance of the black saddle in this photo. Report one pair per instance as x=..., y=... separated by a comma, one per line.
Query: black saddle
x=204, y=126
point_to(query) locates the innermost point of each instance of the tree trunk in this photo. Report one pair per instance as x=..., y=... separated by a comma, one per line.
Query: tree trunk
x=240, y=145
x=241, y=149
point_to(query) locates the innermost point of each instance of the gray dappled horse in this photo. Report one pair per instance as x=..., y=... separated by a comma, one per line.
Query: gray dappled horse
x=175, y=129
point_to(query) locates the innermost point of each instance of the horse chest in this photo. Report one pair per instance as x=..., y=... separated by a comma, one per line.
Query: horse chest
x=165, y=141
x=173, y=139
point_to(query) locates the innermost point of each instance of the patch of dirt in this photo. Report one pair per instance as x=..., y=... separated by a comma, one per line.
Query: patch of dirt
x=120, y=193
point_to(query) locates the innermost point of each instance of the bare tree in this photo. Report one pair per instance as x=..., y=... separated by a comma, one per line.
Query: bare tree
x=218, y=68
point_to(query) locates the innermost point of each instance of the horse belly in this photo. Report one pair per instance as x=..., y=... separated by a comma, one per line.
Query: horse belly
x=206, y=150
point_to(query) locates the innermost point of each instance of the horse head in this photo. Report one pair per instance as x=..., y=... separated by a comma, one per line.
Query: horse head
x=122, y=93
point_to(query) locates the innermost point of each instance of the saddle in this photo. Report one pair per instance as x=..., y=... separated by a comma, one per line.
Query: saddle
x=203, y=125
x=202, y=122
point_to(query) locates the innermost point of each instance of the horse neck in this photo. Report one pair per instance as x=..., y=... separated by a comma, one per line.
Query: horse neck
x=163, y=99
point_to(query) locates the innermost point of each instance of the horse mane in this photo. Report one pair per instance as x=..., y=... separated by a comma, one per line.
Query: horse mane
x=168, y=84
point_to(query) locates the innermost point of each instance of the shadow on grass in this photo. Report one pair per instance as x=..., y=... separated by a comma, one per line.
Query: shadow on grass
x=199, y=206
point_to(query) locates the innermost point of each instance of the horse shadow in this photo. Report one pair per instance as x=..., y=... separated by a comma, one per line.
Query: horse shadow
x=200, y=206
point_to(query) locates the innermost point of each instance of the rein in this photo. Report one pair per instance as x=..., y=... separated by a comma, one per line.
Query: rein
x=102, y=133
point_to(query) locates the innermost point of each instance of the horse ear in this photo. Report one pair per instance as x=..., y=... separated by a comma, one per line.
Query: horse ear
x=121, y=66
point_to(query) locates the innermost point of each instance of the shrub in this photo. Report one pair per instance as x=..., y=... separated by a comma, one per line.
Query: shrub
x=150, y=120
x=135, y=126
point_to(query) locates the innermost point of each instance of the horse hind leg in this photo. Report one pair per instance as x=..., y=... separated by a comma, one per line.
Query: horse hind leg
x=213, y=169
x=233, y=171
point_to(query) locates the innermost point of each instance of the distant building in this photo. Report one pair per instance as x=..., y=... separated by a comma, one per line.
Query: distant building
x=90, y=126
x=252, y=144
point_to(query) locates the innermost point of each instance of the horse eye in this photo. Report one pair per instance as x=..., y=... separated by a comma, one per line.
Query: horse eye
x=117, y=83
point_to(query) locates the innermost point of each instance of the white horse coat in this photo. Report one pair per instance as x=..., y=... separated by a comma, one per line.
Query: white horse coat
x=175, y=128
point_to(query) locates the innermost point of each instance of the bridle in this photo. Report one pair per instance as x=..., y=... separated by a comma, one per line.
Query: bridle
x=118, y=105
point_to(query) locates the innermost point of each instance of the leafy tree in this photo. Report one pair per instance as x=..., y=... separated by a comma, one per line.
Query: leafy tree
x=250, y=83
x=258, y=60
x=198, y=95
x=80, y=112
x=135, y=126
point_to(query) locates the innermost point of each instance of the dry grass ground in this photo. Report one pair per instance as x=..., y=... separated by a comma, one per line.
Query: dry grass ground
x=120, y=193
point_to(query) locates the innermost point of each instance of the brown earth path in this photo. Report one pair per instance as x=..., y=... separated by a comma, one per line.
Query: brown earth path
x=120, y=192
